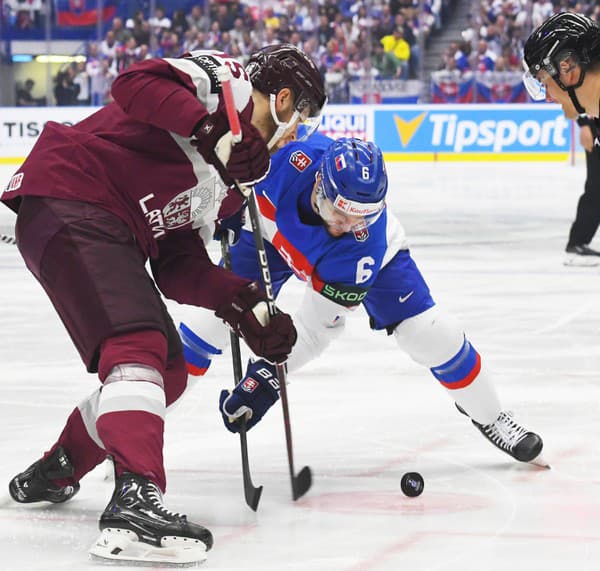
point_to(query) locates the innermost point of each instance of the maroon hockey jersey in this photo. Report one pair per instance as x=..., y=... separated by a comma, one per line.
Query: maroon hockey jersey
x=135, y=158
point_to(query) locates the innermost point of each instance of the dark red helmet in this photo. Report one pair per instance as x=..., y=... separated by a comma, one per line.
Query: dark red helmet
x=274, y=67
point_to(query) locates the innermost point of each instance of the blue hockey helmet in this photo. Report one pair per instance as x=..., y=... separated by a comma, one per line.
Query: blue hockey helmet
x=354, y=179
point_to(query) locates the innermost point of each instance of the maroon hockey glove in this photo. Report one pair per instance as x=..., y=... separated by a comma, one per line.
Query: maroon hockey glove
x=273, y=341
x=208, y=132
x=249, y=161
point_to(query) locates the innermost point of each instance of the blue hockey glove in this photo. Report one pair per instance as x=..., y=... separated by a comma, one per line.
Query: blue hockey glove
x=230, y=227
x=257, y=392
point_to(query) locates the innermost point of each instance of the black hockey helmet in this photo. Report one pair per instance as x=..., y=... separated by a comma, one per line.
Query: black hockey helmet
x=563, y=35
x=274, y=67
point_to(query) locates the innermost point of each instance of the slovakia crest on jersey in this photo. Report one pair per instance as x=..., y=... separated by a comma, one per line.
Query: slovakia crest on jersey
x=361, y=234
x=300, y=160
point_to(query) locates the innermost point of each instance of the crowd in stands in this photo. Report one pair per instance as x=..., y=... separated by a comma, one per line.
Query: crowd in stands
x=496, y=33
x=347, y=38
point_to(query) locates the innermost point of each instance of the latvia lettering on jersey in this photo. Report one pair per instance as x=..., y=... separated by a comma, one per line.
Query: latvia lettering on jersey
x=341, y=269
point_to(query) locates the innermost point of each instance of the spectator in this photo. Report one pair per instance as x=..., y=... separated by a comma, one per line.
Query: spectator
x=108, y=46
x=270, y=37
x=398, y=46
x=214, y=35
x=483, y=59
x=191, y=41
x=224, y=17
x=24, y=95
x=65, y=91
x=142, y=53
x=237, y=32
x=310, y=21
x=169, y=44
x=100, y=83
x=179, y=23
x=387, y=65
x=359, y=68
x=82, y=81
x=324, y=31
x=142, y=32
x=270, y=20
x=198, y=19
x=333, y=67
x=120, y=32
x=135, y=21
x=159, y=22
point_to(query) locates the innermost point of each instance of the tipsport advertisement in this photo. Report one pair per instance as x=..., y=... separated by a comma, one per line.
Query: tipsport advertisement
x=506, y=132
x=473, y=132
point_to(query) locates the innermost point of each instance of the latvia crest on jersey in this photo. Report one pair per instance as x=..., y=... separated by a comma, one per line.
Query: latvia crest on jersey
x=192, y=204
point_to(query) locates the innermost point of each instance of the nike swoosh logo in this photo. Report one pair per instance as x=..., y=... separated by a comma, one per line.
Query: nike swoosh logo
x=403, y=299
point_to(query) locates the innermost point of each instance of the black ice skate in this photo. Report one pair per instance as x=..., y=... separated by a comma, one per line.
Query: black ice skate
x=136, y=527
x=35, y=484
x=510, y=437
x=582, y=256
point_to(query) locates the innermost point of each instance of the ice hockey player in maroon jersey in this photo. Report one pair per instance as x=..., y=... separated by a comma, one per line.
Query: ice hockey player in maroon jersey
x=147, y=177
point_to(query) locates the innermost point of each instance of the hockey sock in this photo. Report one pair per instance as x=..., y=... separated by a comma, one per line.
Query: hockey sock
x=131, y=421
x=198, y=353
x=83, y=451
x=469, y=385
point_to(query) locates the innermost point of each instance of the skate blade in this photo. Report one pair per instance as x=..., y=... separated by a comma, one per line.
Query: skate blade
x=540, y=461
x=123, y=548
x=577, y=261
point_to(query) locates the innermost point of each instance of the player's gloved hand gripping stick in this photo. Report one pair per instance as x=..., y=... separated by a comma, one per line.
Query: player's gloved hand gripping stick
x=301, y=482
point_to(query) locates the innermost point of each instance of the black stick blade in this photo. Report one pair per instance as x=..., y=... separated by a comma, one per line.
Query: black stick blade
x=252, y=494
x=302, y=482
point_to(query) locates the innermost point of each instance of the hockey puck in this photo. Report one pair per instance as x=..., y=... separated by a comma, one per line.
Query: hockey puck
x=412, y=484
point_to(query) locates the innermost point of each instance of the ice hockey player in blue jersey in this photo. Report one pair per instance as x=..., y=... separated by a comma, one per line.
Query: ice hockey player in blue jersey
x=325, y=220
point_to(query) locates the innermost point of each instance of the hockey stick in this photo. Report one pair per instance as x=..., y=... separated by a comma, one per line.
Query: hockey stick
x=302, y=481
x=7, y=239
x=251, y=493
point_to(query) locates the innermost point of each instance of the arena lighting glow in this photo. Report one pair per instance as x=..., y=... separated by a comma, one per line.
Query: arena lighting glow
x=21, y=58
x=58, y=59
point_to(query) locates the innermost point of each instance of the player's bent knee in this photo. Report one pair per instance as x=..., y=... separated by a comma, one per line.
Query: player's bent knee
x=147, y=347
x=175, y=379
x=430, y=338
x=133, y=372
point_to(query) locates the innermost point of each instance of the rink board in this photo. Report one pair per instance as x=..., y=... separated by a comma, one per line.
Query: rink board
x=404, y=132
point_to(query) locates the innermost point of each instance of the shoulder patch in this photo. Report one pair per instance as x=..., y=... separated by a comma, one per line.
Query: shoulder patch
x=15, y=182
x=300, y=160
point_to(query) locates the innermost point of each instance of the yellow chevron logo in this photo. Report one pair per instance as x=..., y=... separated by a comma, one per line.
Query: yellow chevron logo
x=407, y=129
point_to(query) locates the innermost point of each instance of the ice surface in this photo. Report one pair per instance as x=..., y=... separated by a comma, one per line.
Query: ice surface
x=489, y=239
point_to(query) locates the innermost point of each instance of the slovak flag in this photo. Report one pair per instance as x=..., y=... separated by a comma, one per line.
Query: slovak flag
x=340, y=163
x=83, y=12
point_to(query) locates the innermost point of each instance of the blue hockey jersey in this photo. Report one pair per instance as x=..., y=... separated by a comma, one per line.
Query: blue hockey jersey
x=341, y=268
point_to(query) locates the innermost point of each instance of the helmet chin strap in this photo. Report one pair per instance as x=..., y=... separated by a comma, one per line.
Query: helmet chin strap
x=282, y=127
x=571, y=91
x=575, y=101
